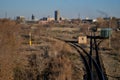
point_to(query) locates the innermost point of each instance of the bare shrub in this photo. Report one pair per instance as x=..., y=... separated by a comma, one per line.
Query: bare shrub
x=59, y=68
x=30, y=72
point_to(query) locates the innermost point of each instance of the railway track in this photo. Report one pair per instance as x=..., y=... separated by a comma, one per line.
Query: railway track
x=87, y=67
x=92, y=64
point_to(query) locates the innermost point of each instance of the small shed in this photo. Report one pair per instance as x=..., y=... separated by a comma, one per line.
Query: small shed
x=82, y=39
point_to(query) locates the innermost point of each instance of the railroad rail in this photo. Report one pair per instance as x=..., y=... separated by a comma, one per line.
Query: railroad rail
x=92, y=62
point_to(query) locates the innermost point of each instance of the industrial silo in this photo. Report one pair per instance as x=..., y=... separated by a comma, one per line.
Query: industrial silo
x=106, y=32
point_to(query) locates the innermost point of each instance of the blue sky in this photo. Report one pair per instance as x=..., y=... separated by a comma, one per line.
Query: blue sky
x=67, y=8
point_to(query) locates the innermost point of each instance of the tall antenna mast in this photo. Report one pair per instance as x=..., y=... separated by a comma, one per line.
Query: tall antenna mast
x=78, y=15
x=5, y=14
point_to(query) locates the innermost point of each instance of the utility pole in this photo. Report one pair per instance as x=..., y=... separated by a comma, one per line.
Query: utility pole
x=79, y=18
x=109, y=38
x=109, y=24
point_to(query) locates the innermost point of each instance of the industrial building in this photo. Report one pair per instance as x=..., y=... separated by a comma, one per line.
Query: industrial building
x=47, y=19
x=87, y=20
x=20, y=19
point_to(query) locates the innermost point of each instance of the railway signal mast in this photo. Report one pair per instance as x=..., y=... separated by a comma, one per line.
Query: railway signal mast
x=105, y=15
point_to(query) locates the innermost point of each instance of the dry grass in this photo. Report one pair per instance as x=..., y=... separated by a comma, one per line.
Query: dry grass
x=54, y=56
x=51, y=59
x=59, y=68
x=111, y=59
x=7, y=48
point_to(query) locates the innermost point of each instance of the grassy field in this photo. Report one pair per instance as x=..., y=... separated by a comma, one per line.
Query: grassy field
x=47, y=57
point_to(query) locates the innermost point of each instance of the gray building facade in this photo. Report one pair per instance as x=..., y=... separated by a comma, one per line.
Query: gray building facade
x=57, y=15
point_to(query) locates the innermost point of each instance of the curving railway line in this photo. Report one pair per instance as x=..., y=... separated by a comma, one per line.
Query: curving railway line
x=93, y=66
